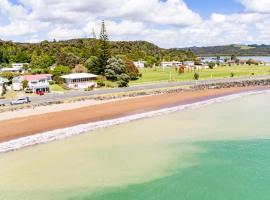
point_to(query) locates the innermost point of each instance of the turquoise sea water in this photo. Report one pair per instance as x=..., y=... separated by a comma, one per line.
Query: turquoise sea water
x=216, y=152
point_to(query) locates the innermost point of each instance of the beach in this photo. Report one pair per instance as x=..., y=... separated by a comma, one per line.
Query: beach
x=52, y=118
x=219, y=146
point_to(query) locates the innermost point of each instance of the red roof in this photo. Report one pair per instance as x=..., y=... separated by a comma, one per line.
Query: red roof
x=36, y=77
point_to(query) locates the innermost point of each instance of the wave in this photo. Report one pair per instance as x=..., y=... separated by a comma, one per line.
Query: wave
x=84, y=128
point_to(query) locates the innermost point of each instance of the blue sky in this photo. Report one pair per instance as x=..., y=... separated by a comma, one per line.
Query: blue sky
x=167, y=23
x=207, y=7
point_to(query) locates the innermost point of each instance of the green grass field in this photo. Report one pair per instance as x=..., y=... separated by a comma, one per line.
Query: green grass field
x=150, y=75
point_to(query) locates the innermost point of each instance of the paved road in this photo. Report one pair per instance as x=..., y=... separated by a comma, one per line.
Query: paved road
x=55, y=96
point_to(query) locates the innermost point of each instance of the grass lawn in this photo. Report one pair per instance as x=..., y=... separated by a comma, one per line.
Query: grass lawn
x=56, y=88
x=150, y=75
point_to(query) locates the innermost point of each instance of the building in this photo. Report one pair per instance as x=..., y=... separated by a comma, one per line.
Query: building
x=189, y=63
x=38, y=82
x=15, y=68
x=171, y=64
x=80, y=80
x=140, y=64
x=18, y=65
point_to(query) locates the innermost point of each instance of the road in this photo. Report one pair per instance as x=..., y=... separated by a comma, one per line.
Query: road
x=51, y=97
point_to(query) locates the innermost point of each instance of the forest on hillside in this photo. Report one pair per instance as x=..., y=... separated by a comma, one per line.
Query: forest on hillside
x=238, y=50
x=78, y=51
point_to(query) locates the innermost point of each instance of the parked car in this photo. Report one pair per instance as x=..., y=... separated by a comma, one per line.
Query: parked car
x=20, y=101
x=28, y=90
x=40, y=93
x=2, y=104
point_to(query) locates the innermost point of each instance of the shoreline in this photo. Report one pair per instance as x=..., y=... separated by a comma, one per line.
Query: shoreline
x=58, y=125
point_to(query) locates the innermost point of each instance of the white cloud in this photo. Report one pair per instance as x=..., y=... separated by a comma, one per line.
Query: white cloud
x=262, y=6
x=167, y=23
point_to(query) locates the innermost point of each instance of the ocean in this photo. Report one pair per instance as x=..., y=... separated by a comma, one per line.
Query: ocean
x=213, y=152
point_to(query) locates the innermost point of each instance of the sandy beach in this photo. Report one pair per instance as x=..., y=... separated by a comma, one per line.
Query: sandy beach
x=43, y=119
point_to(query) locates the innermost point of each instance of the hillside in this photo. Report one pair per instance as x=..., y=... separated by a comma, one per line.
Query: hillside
x=72, y=52
x=239, y=50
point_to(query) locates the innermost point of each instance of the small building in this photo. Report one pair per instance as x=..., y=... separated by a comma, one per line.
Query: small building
x=38, y=82
x=189, y=63
x=171, y=64
x=80, y=80
x=140, y=64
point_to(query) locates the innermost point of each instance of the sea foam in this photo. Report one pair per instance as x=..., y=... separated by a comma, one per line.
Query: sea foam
x=84, y=128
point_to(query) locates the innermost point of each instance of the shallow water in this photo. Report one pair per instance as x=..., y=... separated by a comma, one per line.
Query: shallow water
x=219, y=151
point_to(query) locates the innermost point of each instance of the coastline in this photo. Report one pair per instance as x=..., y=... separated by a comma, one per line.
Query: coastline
x=47, y=127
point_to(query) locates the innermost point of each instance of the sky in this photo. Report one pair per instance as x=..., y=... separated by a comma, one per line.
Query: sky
x=167, y=23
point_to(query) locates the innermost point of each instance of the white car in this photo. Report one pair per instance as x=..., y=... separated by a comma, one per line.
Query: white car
x=20, y=101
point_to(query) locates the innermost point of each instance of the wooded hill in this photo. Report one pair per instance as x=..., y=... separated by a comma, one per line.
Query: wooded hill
x=77, y=51
x=238, y=50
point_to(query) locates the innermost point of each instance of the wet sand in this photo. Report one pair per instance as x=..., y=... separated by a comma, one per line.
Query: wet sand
x=26, y=126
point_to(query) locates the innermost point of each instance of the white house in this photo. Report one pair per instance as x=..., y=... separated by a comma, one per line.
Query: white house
x=140, y=64
x=171, y=64
x=15, y=68
x=189, y=63
x=18, y=65
x=80, y=80
x=38, y=82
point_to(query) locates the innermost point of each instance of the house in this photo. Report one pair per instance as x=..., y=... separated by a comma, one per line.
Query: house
x=140, y=64
x=38, y=82
x=15, y=68
x=189, y=63
x=80, y=80
x=171, y=64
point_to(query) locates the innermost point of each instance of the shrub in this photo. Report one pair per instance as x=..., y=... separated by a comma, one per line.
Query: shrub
x=196, y=76
x=24, y=84
x=101, y=81
x=123, y=80
x=132, y=70
x=211, y=65
x=89, y=88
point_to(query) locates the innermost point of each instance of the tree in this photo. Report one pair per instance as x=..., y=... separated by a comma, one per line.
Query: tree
x=58, y=71
x=61, y=70
x=7, y=75
x=24, y=84
x=4, y=90
x=42, y=61
x=233, y=57
x=114, y=69
x=91, y=65
x=68, y=59
x=79, y=69
x=131, y=70
x=104, y=52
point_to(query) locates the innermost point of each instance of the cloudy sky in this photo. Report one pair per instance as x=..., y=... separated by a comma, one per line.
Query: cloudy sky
x=167, y=23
